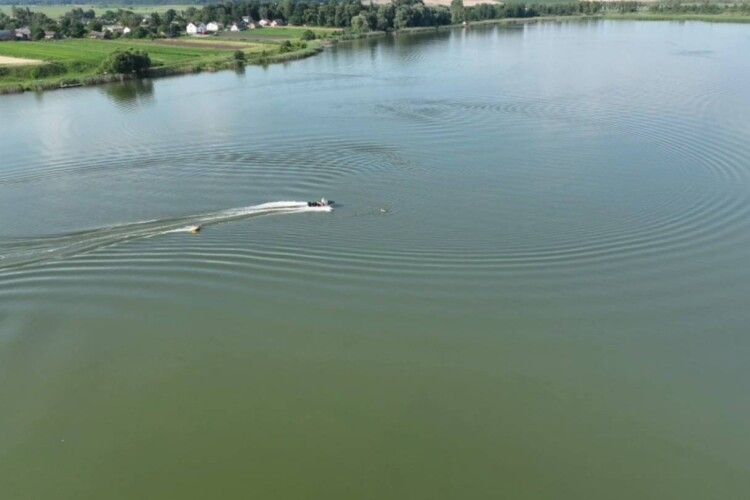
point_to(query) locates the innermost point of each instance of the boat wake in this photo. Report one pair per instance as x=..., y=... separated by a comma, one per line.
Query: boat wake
x=25, y=251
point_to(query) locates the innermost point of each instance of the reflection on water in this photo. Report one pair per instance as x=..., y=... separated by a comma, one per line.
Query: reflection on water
x=130, y=93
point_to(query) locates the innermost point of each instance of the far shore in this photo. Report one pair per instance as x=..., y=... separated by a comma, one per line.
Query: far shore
x=218, y=64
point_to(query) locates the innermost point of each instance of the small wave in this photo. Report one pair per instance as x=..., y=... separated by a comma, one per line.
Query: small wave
x=21, y=252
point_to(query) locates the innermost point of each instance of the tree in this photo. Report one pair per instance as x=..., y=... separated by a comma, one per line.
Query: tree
x=126, y=62
x=458, y=13
x=287, y=8
x=359, y=24
x=308, y=35
x=37, y=32
x=77, y=30
x=403, y=17
x=239, y=56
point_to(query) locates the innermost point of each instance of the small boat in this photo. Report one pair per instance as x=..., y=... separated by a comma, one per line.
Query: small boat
x=322, y=203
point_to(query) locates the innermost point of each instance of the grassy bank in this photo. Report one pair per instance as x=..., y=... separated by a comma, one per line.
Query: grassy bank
x=278, y=34
x=709, y=18
x=78, y=62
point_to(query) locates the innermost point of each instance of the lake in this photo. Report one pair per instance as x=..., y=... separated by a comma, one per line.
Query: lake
x=535, y=283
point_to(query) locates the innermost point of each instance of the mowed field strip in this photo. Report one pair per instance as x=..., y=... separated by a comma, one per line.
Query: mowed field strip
x=92, y=52
x=17, y=61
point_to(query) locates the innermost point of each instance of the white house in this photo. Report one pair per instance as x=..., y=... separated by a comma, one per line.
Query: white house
x=113, y=28
x=23, y=33
x=196, y=29
x=126, y=30
x=240, y=26
x=247, y=19
x=264, y=22
x=276, y=23
x=213, y=27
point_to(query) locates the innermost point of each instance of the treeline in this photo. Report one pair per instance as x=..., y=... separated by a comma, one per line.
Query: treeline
x=78, y=23
x=351, y=14
x=676, y=7
x=345, y=14
x=391, y=16
x=102, y=3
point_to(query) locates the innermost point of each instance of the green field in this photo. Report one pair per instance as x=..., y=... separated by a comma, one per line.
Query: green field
x=73, y=62
x=55, y=11
x=92, y=52
x=286, y=33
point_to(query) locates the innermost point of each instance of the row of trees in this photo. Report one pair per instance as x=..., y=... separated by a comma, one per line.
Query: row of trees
x=397, y=14
x=678, y=7
x=330, y=13
x=78, y=23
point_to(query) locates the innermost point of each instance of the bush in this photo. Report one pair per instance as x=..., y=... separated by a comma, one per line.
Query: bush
x=286, y=47
x=127, y=62
x=308, y=35
x=239, y=56
x=37, y=33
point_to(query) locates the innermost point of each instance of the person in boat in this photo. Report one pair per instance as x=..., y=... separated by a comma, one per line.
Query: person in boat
x=322, y=203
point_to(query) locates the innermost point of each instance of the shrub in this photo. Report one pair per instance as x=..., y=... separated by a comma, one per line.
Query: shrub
x=127, y=62
x=286, y=47
x=239, y=56
x=308, y=35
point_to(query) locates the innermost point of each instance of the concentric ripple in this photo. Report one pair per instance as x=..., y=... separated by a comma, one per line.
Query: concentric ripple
x=468, y=180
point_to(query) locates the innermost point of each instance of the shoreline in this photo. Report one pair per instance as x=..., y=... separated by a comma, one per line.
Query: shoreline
x=227, y=64
x=163, y=71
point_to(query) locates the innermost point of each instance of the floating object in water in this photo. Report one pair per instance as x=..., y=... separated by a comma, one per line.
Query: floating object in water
x=322, y=203
x=196, y=229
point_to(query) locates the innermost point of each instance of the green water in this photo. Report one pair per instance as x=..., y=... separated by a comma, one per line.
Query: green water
x=536, y=284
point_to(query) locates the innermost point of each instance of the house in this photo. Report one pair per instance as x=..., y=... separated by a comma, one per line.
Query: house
x=264, y=23
x=277, y=23
x=126, y=30
x=51, y=35
x=196, y=29
x=113, y=28
x=213, y=27
x=6, y=35
x=253, y=25
x=97, y=35
x=23, y=33
x=240, y=26
x=247, y=19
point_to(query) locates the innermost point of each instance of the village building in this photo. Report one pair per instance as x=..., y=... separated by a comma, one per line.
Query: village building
x=213, y=27
x=113, y=28
x=126, y=30
x=239, y=26
x=264, y=22
x=196, y=29
x=23, y=33
x=277, y=23
x=51, y=35
x=247, y=19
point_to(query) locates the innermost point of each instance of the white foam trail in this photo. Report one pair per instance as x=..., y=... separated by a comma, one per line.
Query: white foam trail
x=26, y=251
x=186, y=229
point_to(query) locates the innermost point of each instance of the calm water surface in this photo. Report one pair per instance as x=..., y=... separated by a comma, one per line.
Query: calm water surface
x=536, y=284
